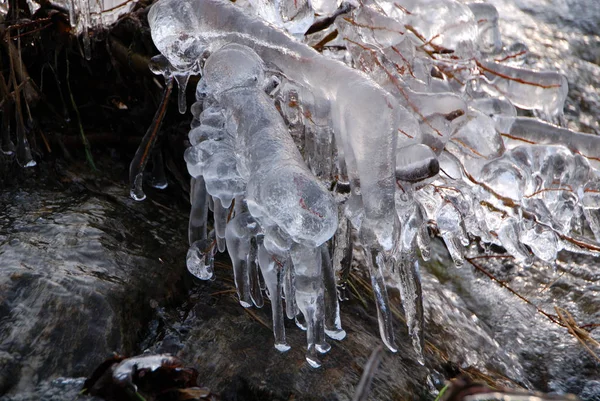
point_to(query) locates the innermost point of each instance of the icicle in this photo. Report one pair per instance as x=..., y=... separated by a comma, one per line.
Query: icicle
x=320, y=150
x=221, y=244
x=240, y=236
x=319, y=142
x=80, y=19
x=541, y=240
x=449, y=223
x=531, y=130
x=199, y=210
x=376, y=264
x=239, y=206
x=182, y=81
x=342, y=247
x=159, y=178
x=87, y=22
x=406, y=267
x=300, y=321
x=220, y=216
x=488, y=37
x=7, y=146
x=309, y=298
x=200, y=258
x=24, y=157
x=253, y=274
x=424, y=242
x=409, y=283
x=591, y=209
x=531, y=90
x=23, y=151
x=509, y=235
x=289, y=289
x=273, y=273
x=333, y=322
x=455, y=249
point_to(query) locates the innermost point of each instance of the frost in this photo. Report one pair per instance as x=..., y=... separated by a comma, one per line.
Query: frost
x=418, y=131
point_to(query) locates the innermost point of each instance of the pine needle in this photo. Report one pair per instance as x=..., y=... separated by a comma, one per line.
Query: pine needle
x=84, y=140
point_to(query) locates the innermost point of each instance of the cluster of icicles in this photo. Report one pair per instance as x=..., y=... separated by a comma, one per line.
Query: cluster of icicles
x=404, y=125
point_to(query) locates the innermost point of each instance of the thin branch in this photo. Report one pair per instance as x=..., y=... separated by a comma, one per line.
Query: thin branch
x=519, y=80
x=552, y=318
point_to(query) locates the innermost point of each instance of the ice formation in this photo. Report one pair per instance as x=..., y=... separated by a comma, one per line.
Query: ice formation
x=94, y=14
x=85, y=15
x=407, y=125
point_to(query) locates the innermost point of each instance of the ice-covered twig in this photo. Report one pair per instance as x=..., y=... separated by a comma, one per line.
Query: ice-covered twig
x=242, y=149
x=424, y=136
x=138, y=164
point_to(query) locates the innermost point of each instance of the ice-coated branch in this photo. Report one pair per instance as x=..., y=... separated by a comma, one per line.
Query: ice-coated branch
x=242, y=150
x=185, y=30
x=416, y=131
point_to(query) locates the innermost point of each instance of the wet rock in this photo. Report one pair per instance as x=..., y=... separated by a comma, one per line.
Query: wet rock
x=81, y=267
x=87, y=272
x=59, y=389
x=233, y=351
x=524, y=334
x=232, y=347
x=473, y=326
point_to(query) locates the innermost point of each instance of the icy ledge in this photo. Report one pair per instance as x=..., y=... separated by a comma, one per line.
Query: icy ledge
x=425, y=138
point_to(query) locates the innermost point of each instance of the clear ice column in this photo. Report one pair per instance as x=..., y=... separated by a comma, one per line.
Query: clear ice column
x=309, y=298
x=273, y=274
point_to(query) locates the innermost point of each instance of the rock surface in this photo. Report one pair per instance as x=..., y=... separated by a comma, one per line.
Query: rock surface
x=82, y=267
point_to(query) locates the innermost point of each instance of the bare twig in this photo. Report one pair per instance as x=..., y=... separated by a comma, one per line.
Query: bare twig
x=30, y=90
x=580, y=334
x=477, y=266
x=84, y=140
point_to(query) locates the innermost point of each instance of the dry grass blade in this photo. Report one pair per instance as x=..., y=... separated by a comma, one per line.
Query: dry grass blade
x=352, y=277
x=257, y=318
x=364, y=385
x=480, y=268
x=580, y=334
x=84, y=140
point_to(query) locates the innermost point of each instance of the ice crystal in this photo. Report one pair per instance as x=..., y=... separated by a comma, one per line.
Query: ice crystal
x=86, y=15
x=415, y=132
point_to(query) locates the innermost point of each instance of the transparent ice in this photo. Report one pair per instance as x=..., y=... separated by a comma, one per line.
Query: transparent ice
x=416, y=132
x=86, y=15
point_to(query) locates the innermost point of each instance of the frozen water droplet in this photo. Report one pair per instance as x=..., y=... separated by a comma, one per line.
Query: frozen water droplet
x=182, y=81
x=282, y=347
x=200, y=259
x=136, y=191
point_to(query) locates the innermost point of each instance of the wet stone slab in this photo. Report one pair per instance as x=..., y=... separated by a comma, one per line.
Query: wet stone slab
x=80, y=273
x=86, y=272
